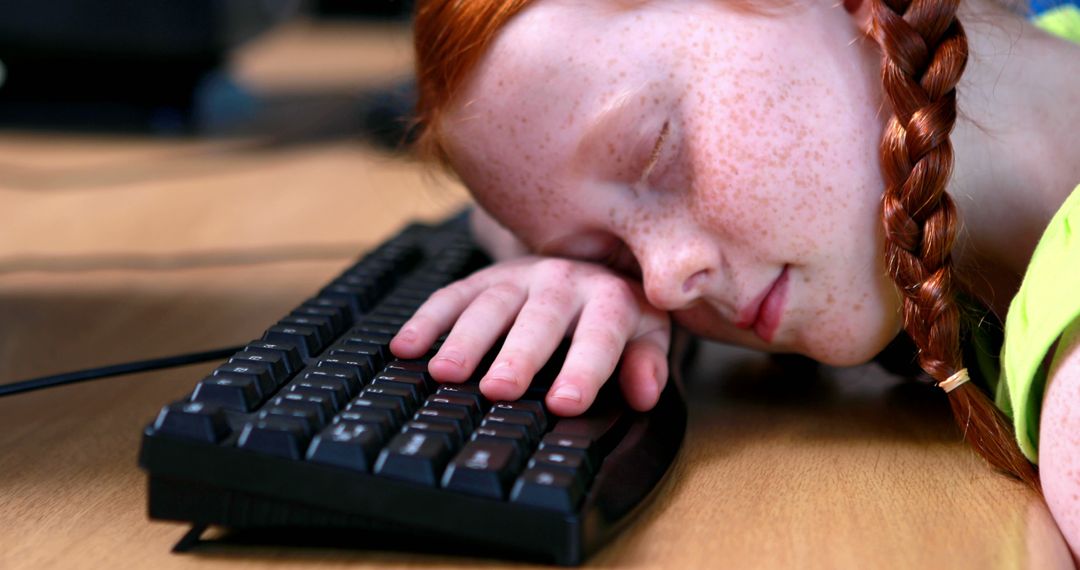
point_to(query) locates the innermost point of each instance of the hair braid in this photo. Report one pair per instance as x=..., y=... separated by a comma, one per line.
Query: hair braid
x=925, y=52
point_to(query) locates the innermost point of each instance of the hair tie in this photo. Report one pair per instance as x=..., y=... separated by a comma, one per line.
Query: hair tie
x=955, y=381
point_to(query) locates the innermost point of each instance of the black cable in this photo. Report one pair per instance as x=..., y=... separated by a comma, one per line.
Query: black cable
x=115, y=370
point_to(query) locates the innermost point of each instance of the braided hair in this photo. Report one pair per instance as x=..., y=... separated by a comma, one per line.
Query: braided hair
x=924, y=54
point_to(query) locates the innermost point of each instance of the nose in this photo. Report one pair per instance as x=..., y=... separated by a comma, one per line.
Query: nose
x=677, y=272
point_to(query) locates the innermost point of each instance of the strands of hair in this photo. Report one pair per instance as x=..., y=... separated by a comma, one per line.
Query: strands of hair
x=924, y=54
x=450, y=37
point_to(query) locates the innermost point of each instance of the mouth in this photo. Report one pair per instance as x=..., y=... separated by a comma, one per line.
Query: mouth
x=764, y=313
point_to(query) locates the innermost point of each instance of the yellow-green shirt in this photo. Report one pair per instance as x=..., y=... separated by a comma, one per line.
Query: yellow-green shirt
x=1062, y=21
x=1046, y=304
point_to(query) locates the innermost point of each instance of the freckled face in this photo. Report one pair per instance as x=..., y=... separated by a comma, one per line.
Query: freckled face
x=713, y=151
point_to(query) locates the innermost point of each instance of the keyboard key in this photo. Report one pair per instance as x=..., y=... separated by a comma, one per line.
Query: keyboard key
x=402, y=397
x=275, y=435
x=467, y=404
x=368, y=327
x=273, y=359
x=450, y=434
x=573, y=462
x=363, y=350
x=258, y=372
x=415, y=386
x=390, y=315
x=374, y=281
x=514, y=421
x=339, y=320
x=417, y=457
x=289, y=353
x=303, y=337
x=308, y=414
x=346, y=444
x=502, y=433
x=231, y=392
x=484, y=468
x=529, y=408
x=336, y=308
x=380, y=419
x=359, y=298
x=381, y=342
x=192, y=420
x=452, y=415
x=337, y=388
x=323, y=326
x=571, y=443
x=322, y=404
x=419, y=366
x=467, y=390
x=392, y=407
x=602, y=426
x=547, y=488
x=357, y=371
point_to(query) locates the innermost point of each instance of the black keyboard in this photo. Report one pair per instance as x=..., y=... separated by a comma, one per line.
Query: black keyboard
x=316, y=433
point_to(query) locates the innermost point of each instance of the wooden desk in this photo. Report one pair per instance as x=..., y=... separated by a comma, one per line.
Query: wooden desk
x=122, y=248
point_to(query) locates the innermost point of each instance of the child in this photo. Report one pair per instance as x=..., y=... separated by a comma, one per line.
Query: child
x=771, y=174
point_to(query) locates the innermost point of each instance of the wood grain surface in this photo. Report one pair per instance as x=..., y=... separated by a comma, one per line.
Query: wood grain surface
x=117, y=248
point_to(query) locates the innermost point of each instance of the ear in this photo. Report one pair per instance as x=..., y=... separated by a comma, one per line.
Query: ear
x=861, y=13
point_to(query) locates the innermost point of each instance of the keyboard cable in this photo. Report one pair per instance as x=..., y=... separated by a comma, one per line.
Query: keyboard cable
x=226, y=257
x=115, y=370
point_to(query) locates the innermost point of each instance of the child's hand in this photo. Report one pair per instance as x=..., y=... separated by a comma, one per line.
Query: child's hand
x=545, y=299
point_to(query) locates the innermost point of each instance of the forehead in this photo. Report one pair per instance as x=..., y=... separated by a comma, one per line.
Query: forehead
x=515, y=131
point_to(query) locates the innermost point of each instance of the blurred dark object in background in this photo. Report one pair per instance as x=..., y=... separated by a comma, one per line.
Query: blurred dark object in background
x=125, y=64
x=362, y=8
x=386, y=116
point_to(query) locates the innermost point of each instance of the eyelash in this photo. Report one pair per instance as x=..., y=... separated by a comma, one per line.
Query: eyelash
x=655, y=154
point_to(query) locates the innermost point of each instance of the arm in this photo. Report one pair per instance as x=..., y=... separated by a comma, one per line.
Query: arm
x=1059, y=439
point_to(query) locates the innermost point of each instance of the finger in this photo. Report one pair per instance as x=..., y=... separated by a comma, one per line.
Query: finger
x=433, y=318
x=644, y=369
x=605, y=325
x=534, y=336
x=476, y=331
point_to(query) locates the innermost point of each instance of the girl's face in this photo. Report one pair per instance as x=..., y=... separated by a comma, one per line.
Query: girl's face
x=728, y=159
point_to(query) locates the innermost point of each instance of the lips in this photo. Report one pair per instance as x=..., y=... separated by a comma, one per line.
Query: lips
x=763, y=314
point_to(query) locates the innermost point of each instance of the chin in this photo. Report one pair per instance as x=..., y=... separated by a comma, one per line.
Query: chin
x=854, y=351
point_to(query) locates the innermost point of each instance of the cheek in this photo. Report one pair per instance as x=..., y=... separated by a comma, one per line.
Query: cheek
x=853, y=321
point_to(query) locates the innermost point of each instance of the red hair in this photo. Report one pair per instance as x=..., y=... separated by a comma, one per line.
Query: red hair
x=924, y=54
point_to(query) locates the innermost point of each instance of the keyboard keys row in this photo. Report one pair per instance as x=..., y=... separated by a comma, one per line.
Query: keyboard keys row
x=250, y=377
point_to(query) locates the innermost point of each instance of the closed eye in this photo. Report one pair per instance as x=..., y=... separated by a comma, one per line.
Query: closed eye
x=654, y=156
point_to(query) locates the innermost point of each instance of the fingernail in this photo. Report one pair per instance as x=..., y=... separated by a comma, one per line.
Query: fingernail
x=654, y=386
x=452, y=358
x=496, y=381
x=407, y=335
x=500, y=372
x=567, y=392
